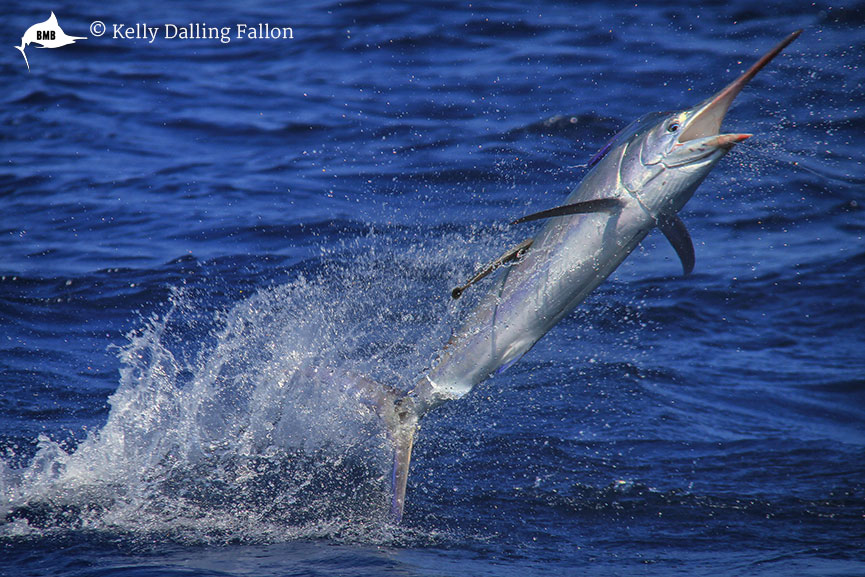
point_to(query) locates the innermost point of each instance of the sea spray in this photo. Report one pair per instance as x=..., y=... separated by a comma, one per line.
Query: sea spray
x=239, y=423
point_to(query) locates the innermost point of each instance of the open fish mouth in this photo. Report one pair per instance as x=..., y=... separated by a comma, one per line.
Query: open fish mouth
x=704, y=120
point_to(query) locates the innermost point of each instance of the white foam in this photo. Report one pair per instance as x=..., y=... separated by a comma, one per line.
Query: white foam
x=250, y=433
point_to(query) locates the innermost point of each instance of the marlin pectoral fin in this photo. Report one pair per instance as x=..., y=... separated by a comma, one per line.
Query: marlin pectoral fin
x=513, y=254
x=587, y=206
x=676, y=232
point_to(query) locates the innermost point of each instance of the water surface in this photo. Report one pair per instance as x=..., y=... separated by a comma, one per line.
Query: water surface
x=190, y=227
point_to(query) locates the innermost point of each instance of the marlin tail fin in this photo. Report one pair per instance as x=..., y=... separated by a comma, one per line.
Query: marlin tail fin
x=21, y=50
x=402, y=430
x=398, y=413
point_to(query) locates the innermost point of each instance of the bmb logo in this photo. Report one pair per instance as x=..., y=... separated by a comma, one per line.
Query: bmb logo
x=46, y=34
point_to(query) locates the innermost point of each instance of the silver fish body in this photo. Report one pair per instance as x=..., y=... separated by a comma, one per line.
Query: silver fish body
x=638, y=182
x=569, y=258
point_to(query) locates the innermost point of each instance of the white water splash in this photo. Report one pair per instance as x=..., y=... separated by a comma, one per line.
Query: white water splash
x=249, y=432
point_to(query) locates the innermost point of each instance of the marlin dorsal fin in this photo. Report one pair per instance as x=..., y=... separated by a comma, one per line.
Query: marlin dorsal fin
x=676, y=232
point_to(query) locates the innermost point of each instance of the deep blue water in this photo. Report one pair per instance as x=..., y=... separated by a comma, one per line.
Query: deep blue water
x=185, y=223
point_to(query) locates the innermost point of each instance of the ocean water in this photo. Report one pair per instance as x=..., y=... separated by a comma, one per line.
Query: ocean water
x=191, y=227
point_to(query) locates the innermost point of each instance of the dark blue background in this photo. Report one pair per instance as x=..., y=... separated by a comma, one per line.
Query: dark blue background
x=182, y=221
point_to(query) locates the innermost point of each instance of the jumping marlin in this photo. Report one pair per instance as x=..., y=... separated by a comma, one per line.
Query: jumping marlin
x=637, y=182
x=46, y=34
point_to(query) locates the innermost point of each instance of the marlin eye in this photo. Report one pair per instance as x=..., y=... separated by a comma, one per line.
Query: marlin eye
x=673, y=127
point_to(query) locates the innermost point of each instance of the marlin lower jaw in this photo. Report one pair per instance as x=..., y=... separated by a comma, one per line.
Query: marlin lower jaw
x=722, y=140
x=694, y=150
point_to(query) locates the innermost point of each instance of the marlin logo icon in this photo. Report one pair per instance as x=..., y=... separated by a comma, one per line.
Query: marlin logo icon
x=46, y=34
